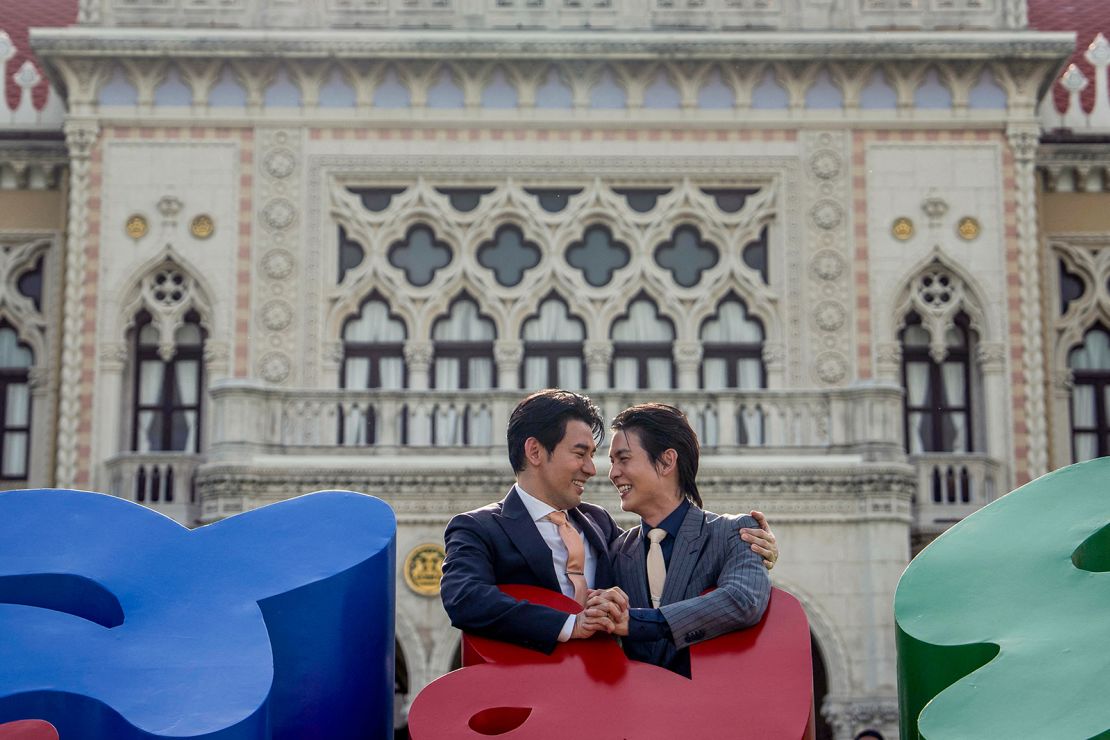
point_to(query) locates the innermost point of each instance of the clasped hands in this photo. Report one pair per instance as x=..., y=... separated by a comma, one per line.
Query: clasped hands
x=606, y=611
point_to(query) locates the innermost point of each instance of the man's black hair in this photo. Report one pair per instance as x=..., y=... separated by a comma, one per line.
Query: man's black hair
x=544, y=415
x=660, y=427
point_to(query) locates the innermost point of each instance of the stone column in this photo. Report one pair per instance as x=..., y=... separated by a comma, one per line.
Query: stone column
x=598, y=353
x=991, y=359
x=687, y=355
x=418, y=360
x=114, y=421
x=81, y=137
x=508, y=354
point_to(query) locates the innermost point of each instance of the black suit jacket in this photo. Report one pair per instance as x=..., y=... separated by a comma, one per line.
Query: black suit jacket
x=499, y=544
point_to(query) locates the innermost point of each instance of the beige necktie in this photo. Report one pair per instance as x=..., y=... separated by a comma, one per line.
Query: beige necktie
x=576, y=554
x=656, y=566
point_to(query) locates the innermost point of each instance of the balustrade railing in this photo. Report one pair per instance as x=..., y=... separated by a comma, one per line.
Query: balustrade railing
x=163, y=481
x=951, y=486
x=249, y=417
x=638, y=15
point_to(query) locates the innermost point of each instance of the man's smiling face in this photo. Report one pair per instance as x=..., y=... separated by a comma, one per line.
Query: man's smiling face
x=563, y=473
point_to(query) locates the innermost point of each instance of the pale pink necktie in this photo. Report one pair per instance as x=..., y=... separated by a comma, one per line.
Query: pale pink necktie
x=656, y=566
x=576, y=554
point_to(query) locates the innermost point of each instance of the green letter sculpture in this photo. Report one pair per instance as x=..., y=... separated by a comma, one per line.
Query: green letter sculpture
x=1003, y=623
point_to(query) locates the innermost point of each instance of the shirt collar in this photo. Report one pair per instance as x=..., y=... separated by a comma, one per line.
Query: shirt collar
x=536, y=509
x=673, y=521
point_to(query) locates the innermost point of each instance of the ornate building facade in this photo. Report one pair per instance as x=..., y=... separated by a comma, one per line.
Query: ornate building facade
x=254, y=249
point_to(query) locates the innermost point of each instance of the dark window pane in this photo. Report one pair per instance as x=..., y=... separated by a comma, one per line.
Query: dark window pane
x=1071, y=287
x=598, y=256
x=553, y=200
x=686, y=255
x=351, y=254
x=509, y=255
x=464, y=199
x=730, y=200
x=30, y=284
x=420, y=254
x=755, y=254
x=641, y=200
x=376, y=199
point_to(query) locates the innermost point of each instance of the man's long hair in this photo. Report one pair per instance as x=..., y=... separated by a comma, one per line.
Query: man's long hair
x=660, y=427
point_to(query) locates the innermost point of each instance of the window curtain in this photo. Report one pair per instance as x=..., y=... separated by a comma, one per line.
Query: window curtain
x=917, y=391
x=1084, y=415
x=714, y=373
x=570, y=372
x=642, y=325
x=625, y=373
x=374, y=325
x=535, y=373
x=553, y=324
x=953, y=375
x=15, y=455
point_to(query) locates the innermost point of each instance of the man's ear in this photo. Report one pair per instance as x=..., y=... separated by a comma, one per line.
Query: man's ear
x=533, y=450
x=668, y=461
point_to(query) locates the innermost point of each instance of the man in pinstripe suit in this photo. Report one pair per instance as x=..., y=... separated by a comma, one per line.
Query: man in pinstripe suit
x=662, y=567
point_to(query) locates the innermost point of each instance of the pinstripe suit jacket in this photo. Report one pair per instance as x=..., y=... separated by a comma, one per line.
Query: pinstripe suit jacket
x=708, y=553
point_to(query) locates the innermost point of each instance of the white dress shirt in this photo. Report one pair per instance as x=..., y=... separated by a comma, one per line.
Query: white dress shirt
x=539, y=510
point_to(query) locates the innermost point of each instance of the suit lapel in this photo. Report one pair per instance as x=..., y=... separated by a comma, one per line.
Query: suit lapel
x=688, y=545
x=632, y=569
x=521, y=531
x=603, y=571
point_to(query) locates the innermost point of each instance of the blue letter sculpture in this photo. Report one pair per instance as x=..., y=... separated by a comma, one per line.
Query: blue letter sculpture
x=117, y=623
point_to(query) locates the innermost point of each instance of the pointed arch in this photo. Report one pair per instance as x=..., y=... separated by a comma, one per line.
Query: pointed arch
x=349, y=305
x=439, y=306
x=167, y=303
x=823, y=627
x=968, y=297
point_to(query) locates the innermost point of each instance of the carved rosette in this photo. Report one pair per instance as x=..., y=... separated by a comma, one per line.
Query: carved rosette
x=828, y=299
x=278, y=173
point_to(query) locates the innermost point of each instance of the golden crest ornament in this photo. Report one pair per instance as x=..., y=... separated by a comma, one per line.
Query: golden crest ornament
x=423, y=568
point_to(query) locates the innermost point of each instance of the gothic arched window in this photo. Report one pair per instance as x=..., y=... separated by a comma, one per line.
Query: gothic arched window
x=463, y=361
x=373, y=357
x=938, y=387
x=732, y=348
x=642, y=356
x=15, y=405
x=1090, y=396
x=553, y=348
x=168, y=384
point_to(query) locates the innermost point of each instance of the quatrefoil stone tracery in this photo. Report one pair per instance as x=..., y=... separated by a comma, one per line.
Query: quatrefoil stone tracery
x=168, y=288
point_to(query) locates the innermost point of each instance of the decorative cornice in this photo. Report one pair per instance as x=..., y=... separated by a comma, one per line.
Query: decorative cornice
x=432, y=44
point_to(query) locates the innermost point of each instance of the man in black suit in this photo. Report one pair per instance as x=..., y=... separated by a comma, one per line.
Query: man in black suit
x=541, y=533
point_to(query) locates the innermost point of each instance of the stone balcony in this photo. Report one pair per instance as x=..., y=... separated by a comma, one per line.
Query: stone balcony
x=446, y=448
x=950, y=487
x=249, y=419
x=162, y=481
x=627, y=15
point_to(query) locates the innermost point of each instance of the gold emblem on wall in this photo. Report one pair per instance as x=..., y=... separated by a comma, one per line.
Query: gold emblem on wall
x=423, y=568
x=136, y=226
x=968, y=228
x=902, y=229
x=202, y=226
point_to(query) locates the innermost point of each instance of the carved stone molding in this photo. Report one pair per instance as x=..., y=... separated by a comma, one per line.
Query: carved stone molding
x=830, y=304
x=419, y=354
x=81, y=137
x=850, y=717
x=277, y=180
x=1023, y=143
